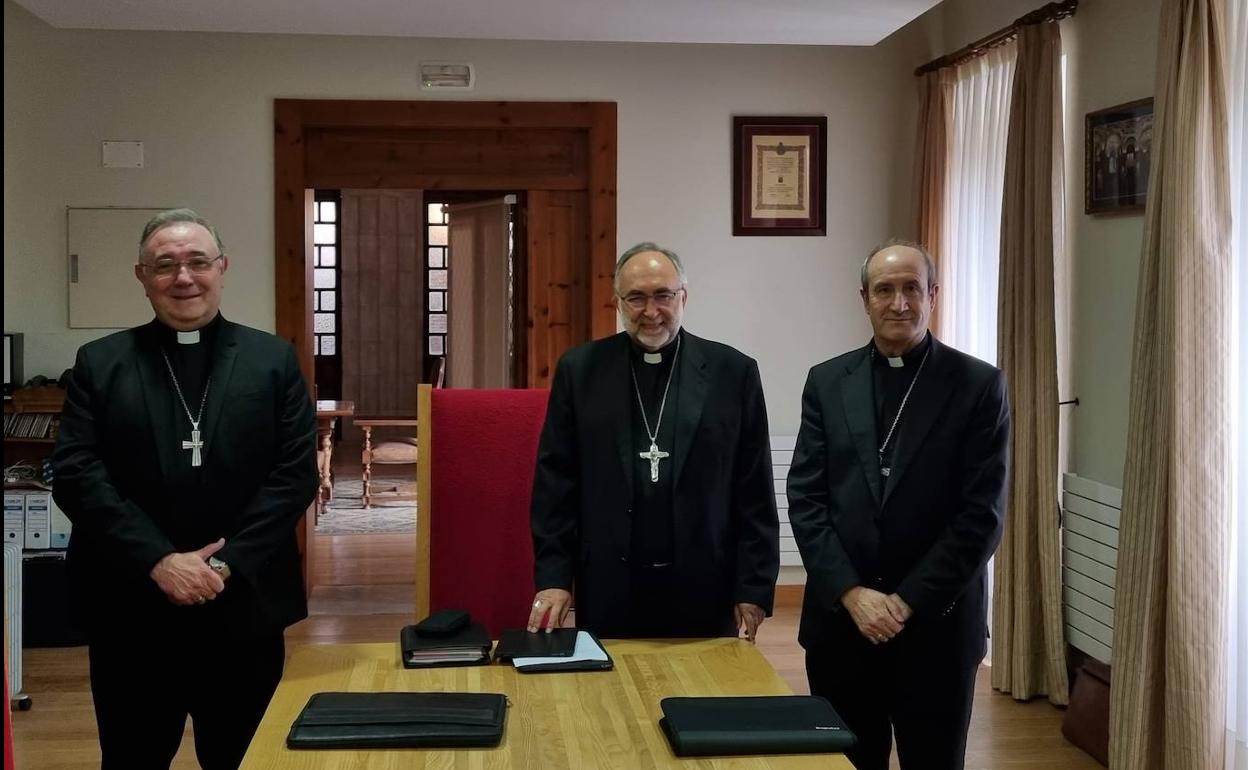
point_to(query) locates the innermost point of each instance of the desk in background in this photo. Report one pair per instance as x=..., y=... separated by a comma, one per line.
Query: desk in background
x=564, y=720
x=327, y=413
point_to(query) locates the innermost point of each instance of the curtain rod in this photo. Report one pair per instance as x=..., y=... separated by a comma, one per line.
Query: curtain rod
x=1051, y=12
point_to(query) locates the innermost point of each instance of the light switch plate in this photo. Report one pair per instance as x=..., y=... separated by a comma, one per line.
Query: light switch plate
x=122, y=154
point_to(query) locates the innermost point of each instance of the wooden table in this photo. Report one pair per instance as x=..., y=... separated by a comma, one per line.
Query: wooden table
x=571, y=720
x=327, y=413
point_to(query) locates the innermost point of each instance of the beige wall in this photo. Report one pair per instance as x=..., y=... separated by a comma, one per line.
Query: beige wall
x=1110, y=48
x=202, y=104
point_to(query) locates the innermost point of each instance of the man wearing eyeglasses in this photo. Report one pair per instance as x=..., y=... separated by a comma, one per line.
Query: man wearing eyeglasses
x=653, y=495
x=185, y=457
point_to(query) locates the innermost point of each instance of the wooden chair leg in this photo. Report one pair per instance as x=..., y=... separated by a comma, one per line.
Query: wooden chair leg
x=368, y=466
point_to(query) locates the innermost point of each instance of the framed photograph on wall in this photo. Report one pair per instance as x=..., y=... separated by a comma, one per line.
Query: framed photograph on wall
x=1118, y=146
x=779, y=175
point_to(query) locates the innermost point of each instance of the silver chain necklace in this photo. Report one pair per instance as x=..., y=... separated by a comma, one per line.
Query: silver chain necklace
x=884, y=469
x=654, y=454
x=195, y=444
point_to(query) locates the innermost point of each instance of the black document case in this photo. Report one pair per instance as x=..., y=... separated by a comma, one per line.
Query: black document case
x=519, y=643
x=588, y=654
x=783, y=724
x=470, y=646
x=399, y=720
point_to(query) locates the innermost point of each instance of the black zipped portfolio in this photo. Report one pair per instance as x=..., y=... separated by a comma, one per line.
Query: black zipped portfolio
x=767, y=724
x=469, y=646
x=399, y=720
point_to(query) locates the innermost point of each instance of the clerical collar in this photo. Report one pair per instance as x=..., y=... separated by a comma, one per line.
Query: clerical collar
x=203, y=335
x=657, y=357
x=908, y=359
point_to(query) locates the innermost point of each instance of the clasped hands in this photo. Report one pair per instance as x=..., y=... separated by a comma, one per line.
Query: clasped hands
x=186, y=577
x=551, y=605
x=879, y=616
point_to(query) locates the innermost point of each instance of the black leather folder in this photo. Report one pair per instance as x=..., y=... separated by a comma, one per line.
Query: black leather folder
x=399, y=720
x=571, y=662
x=519, y=643
x=469, y=646
x=724, y=726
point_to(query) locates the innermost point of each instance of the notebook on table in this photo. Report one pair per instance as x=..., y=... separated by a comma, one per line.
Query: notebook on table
x=469, y=646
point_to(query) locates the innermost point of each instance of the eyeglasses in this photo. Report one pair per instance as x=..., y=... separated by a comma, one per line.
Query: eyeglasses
x=167, y=268
x=662, y=298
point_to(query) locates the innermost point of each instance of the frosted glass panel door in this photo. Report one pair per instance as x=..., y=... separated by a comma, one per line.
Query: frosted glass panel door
x=103, y=247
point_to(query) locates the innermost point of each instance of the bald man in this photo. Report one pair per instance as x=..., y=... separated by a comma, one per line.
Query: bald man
x=896, y=494
x=653, y=494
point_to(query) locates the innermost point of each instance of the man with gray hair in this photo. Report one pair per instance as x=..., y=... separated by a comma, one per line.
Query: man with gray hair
x=896, y=494
x=185, y=457
x=653, y=495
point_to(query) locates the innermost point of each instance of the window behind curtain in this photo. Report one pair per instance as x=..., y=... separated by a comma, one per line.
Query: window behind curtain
x=971, y=253
x=1237, y=617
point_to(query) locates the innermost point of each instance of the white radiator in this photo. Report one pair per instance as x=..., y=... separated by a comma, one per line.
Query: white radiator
x=781, y=458
x=1090, y=520
x=13, y=615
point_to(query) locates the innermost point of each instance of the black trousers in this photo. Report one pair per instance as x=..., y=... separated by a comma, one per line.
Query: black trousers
x=913, y=687
x=145, y=688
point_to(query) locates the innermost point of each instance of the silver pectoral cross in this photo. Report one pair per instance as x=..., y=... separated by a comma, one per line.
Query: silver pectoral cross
x=654, y=455
x=195, y=445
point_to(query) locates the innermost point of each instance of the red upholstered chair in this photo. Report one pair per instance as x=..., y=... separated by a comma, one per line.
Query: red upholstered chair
x=474, y=482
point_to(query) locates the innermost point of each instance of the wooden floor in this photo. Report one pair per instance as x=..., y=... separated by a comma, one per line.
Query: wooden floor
x=364, y=593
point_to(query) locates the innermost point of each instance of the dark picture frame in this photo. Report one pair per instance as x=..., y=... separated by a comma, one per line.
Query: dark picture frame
x=1118, y=145
x=779, y=175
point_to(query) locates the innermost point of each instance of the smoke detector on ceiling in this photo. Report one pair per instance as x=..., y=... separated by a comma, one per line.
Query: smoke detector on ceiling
x=447, y=76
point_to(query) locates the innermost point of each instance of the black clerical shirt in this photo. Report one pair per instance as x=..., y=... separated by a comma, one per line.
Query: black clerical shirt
x=890, y=385
x=653, y=523
x=192, y=364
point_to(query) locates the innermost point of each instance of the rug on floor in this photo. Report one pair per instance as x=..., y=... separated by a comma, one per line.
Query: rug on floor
x=345, y=513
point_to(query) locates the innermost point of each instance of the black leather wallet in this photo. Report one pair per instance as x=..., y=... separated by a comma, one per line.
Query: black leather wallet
x=399, y=720
x=442, y=623
x=781, y=724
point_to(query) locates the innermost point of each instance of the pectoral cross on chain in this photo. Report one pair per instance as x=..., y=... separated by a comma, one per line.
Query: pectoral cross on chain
x=654, y=455
x=195, y=445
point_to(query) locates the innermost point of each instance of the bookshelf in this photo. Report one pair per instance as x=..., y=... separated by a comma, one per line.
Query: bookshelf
x=31, y=419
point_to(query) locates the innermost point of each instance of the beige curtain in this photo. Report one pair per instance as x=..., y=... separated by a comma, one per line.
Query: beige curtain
x=1168, y=700
x=931, y=165
x=1028, y=648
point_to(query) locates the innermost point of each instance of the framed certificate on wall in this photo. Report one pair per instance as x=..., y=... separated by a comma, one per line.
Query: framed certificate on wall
x=779, y=175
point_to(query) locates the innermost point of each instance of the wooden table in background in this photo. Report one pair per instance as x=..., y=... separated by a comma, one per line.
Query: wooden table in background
x=601, y=719
x=327, y=413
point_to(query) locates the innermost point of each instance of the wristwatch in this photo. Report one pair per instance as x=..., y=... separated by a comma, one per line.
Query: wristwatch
x=220, y=567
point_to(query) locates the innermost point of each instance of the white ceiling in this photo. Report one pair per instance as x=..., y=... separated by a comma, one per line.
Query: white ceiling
x=803, y=22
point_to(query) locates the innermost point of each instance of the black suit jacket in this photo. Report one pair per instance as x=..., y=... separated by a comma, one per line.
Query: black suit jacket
x=726, y=539
x=927, y=530
x=120, y=433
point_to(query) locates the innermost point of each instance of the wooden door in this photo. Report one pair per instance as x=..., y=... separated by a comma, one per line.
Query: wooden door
x=558, y=279
x=479, y=303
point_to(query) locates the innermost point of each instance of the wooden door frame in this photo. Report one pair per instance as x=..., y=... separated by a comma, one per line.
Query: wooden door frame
x=293, y=185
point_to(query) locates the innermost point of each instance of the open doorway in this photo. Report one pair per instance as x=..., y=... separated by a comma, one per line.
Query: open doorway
x=409, y=287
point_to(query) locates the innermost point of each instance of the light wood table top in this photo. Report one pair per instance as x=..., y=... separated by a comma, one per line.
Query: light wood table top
x=601, y=719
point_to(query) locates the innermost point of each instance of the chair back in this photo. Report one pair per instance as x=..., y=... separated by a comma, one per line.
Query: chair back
x=478, y=449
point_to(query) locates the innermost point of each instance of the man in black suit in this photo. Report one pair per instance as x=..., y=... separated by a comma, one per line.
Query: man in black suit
x=653, y=492
x=895, y=494
x=186, y=456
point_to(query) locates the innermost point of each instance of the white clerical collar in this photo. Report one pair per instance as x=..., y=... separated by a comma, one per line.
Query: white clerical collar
x=896, y=362
x=188, y=338
x=652, y=358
